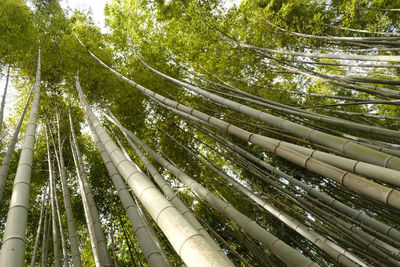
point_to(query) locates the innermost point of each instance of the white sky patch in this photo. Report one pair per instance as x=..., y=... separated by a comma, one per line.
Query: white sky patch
x=96, y=8
x=230, y=3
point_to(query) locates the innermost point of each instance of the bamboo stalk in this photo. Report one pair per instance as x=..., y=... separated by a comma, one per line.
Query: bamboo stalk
x=191, y=246
x=14, y=240
x=91, y=205
x=151, y=251
x=282, y=250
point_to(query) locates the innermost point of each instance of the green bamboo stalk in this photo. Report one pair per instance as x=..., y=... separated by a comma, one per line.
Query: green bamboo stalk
x=5, y=165
x=91, y=205
x=14, y=240
x=190, y=246
x=336, y=204
x=282, y=250
x=171, y=196
x=3, y=100
x=151, y=251
x=45, y=241
x=72, y=237
x=62, y=238
x=384, y=194
x=40, y=226
x=356, y=150
x=336, y=252
x=56, y=240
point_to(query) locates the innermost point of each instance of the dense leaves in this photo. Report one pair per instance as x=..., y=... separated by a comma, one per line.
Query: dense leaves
x=204, y=43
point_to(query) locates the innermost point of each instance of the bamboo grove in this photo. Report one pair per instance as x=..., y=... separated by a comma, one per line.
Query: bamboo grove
x=200, y=133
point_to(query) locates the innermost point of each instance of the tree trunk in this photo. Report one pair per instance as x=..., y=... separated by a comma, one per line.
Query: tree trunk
x=91, y=205
x=63, y=245
x=72, y=237
x=13, y=248
x=39, y=229
x=3, y=101
x=112, y=237
x=5, y=165
x=151, y=251
x=46, y=235
x=190, y=246
x=56, y=240
x=278, y=247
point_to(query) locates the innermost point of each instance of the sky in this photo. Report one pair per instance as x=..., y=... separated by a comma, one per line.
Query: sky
x=95, y=6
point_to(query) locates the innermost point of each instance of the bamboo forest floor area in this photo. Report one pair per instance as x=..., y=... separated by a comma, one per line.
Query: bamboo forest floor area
x=200, y=133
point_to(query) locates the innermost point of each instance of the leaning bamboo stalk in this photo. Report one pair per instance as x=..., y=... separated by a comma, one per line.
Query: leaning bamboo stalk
x=336, y=204
x=45, y=241
x=368, y=246
x=3, y=99
x=374, y=116
x=5, y=165
x=359, y=184
x=364, y=31
x=295, y=69
x=40, y=226
x=339, y=254
x=63, y=245
x=150, y=249
x=395, y=252
x=345, y=146
x=190, y=246
x=91, y=231
x=279, y=248
x=340, y=38
x=361, y=242
x=356, y=239
x=88, y=217
x=171, y=196
x=140, y=209
x=56, y=240
x=14, y=240
x=361, y=152
x=358, y=167
x=326, y=119
x=377, y=58
x=220, y=238
x=112, y=237
x=91, y=205
x=72, y=237
x=342, y=144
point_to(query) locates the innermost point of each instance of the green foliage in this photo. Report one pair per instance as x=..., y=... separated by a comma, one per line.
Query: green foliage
x=186, y=40
x=18, y=34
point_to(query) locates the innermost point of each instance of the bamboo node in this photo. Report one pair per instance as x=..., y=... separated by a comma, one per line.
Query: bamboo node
x=387, y=161
x=387, y=196
x=345, y=143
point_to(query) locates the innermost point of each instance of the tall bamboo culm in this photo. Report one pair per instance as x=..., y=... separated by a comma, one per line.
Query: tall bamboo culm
x=91, y=205
x=171, y=196
x=190, y=246
x=278, y=247
x=13, y=248
x=150, y=250
x=72, y=237
x=5, y=164
x=40, y=226
x=54, y=223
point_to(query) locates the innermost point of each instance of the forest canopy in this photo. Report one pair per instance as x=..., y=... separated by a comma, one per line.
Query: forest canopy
x=200, y=133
